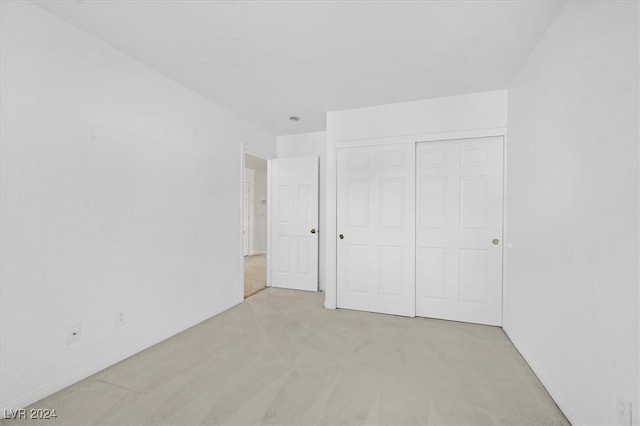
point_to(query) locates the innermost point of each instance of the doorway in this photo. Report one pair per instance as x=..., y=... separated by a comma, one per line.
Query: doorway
x=254, y=210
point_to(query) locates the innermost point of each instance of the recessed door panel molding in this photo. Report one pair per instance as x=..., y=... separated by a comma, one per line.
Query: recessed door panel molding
x=433, y=158
x=304, y=198
x=474, y=202
x=432, y=208
x=304, y=247
x=358, y=161
x=391, y=203
x=357, y=202
x=473, y=279
x=284, y=203
x=293, y=250
x=376, y=219
x=432, y=265
x=284, y=250
x=392, y=159
x=391, y=268
x=460, y=207
x=356, y=257
x=474, y=156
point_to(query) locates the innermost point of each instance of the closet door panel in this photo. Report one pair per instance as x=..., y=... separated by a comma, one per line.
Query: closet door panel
x=376, y=218
x=459, y=230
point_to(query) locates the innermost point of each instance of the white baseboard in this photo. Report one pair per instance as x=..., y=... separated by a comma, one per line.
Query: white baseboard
x=560, y=401
x=65, y=381
x=329, y=305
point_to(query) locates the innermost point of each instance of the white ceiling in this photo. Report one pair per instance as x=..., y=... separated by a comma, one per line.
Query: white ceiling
x=267, y=60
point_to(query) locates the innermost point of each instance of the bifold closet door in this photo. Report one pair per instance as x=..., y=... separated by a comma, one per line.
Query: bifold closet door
x=459, y=190
x=375, y=226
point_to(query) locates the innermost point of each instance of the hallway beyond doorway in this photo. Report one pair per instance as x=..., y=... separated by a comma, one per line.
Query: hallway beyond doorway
x=255, y=274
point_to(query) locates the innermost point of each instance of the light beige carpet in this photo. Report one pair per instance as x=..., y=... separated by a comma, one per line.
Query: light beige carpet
x=255, y=274
x=280, y=358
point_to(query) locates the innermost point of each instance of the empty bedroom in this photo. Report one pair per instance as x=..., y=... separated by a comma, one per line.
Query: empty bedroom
x=319, y=212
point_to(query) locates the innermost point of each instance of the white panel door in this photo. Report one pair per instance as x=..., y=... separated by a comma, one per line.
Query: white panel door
x=459, y=230
x=293, y=253
x=375, y=223
x=246, y=216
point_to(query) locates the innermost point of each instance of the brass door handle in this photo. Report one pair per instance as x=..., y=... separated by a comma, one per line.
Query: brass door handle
x=341, y=236
x=313, y=231
x=495, y=241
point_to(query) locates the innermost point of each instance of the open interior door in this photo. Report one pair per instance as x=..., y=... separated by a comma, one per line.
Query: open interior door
x=293, y=222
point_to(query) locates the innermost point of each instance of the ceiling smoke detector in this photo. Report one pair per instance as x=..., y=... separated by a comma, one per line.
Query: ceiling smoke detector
x=294, y=118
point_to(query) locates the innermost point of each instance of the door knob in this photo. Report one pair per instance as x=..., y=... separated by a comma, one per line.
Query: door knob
x=341, y=236
x=313, y=231
x=495, y=241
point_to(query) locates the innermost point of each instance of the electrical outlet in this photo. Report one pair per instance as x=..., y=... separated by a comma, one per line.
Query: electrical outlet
x=74, y=333
x=623, y=410
x=121, y=319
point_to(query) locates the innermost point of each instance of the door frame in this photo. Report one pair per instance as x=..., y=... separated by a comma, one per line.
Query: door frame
x=332, y=211
x=240, y=213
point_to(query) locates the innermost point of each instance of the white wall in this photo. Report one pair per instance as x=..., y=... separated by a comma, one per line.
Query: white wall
x=311, y=145
x=572, y=210
x=120, y=190
x=478, y=114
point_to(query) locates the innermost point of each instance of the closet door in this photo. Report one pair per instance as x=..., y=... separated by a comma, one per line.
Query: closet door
x=459, y=230
x=376, y=224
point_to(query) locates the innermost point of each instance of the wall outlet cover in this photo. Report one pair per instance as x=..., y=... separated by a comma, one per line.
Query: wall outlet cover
x=120, y=319
x=623, y=410
x=74, y=333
